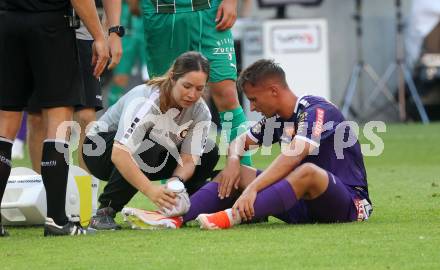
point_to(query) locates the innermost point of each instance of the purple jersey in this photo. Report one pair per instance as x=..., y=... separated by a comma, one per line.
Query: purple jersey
x=316, y=121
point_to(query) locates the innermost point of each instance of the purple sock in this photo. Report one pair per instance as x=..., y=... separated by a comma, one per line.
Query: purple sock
x=274, y=199
x=22, y=132
x=206, y=201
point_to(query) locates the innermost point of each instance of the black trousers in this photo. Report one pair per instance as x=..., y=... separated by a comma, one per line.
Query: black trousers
x=118, y=192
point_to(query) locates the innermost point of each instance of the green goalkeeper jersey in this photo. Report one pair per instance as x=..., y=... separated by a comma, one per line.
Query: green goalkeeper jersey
x=177, y=6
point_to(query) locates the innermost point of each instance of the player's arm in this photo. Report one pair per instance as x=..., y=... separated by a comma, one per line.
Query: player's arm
x=86, y=10
x=127, y=167
x=112, y=10
x=226, y=15
x=230, y=175
x=186, y=170
x=285, y=163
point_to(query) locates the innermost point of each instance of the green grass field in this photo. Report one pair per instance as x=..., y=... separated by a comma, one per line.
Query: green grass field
x=403, y=233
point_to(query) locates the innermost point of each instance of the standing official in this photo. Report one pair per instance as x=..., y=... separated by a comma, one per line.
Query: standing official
x=90, y=87
x=38, y=54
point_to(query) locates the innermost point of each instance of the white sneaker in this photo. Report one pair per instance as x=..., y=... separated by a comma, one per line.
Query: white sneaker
x=143, y=219
x=72, y=228
x=17, y=149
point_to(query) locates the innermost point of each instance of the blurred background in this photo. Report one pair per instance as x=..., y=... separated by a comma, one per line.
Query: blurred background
x=316, y=42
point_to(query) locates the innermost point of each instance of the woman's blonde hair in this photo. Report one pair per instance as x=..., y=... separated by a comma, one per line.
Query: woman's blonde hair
x=185, y=63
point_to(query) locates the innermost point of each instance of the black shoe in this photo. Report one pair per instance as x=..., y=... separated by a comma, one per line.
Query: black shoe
x=71, y=228
x=104, y=220
x=3, y=232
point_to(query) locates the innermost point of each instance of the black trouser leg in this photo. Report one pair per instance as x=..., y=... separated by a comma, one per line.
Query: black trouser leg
x=97, y=155
x=118, y=192
x=204, y=171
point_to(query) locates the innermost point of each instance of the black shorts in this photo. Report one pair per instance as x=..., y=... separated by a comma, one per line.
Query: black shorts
x=38, y=55
x=90, y=86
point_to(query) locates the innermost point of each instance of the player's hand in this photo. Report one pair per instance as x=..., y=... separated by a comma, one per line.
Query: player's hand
x=226, y=15
x=162, y=197
x=228, y=178
x=244, y=206
x=100, y=56
x=115, y=48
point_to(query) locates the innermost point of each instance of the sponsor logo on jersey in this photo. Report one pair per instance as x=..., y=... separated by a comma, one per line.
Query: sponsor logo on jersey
x=302, y=123
x=319, y=123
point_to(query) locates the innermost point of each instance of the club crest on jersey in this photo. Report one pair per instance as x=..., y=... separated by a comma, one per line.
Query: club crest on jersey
x=183, y=133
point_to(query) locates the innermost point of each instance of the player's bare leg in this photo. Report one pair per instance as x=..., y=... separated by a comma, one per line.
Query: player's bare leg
x=9, y=126
x=225, y=95
x=225, y=98
x=84, y=117
x=308, y=181
x=54, y=170
x=35, y=136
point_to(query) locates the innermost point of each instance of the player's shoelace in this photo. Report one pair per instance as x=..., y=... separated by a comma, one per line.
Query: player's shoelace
x=77, y=229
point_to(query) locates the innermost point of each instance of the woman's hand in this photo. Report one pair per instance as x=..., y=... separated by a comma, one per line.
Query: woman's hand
x=161, y=197
x=228, y=178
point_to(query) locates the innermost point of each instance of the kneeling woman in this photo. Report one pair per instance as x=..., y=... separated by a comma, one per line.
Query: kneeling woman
x=156, y=131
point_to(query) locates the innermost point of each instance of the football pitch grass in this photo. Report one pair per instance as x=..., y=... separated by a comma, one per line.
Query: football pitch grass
x=402, y=233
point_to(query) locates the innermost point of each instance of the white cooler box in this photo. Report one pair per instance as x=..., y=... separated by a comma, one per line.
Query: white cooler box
x=24, y=201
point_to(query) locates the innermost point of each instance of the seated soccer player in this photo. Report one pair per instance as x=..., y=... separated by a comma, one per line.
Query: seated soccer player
x=317, y=178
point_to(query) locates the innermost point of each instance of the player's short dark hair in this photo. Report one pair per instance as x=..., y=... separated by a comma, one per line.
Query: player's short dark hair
x=259, y=71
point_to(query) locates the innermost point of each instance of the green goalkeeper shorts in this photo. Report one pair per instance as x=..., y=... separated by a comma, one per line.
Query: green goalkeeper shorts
x=169, y=35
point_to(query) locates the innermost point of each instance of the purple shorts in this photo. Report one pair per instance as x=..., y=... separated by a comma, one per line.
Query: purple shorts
x=336, y=204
